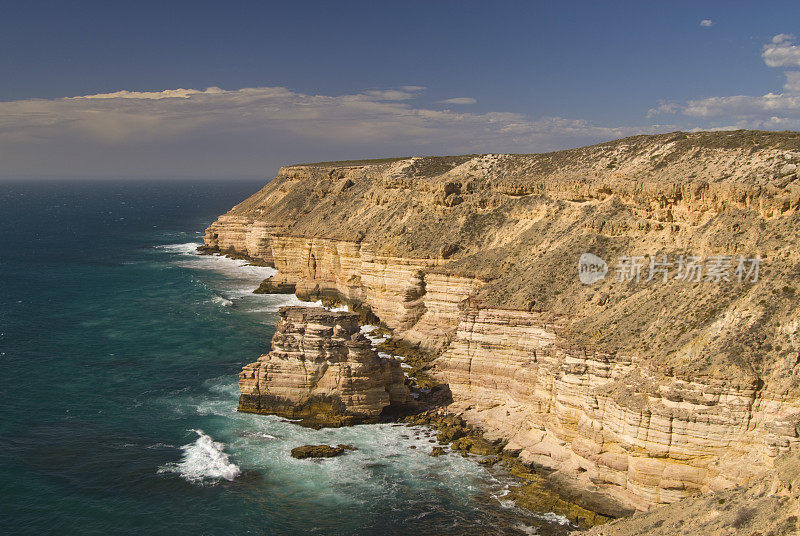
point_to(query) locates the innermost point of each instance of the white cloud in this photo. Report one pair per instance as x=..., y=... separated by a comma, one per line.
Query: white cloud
x=792, y=84
x=404, y=93
x=664, y=107
x=781, y=52
x=706, y=23
x=743, y=106
x=773, y=110
x=151, y=95
x=459, y=100
x=251, y=131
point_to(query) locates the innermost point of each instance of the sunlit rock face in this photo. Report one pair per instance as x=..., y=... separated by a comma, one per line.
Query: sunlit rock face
x=643, y=392
x=608, y=422
x=323, y=370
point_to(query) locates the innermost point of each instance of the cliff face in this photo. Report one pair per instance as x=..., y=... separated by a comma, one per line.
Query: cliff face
x=609, y=422
x=769, y=505
x=644, y=391
x=322, y=370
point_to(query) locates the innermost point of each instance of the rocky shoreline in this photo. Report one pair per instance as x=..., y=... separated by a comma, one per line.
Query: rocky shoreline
x=625, y=393
x=427, y=407
x=534, y=491
x=538, y=489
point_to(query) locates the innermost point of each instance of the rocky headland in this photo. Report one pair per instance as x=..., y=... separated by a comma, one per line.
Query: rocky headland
x=644, y=391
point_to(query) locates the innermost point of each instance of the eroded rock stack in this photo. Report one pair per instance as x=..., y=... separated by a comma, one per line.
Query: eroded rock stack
x=322, y=370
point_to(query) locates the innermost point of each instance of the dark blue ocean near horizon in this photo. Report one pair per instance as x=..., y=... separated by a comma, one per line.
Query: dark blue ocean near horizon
x=119, y=354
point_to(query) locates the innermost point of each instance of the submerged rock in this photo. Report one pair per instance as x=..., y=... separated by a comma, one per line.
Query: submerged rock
x=268, y=286
x=437, y=451
x=207, y=250
x=317, y=451
x=475, y=444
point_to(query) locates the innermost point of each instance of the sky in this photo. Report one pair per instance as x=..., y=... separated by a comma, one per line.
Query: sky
x=235, y=89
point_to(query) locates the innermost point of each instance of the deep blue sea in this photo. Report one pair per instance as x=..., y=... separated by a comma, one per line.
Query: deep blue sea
x=119, y=354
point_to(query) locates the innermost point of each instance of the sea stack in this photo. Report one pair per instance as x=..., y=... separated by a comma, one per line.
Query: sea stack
x=322, y=370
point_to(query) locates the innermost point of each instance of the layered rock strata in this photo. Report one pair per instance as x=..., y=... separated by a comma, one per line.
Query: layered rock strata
x=605, y=422
x=322, y=370
x=644, y=392
x=769, y=505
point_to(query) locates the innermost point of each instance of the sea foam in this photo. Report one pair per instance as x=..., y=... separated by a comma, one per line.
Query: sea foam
x=554, y=518
x=222, y=301
x=203, y=461
x=234, y=268
x=188, y=248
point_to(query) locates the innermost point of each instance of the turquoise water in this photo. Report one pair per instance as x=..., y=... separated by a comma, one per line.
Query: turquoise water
x=119, y=349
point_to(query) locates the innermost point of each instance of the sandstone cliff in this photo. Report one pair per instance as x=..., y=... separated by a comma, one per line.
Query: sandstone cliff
x=768, y=506
x=646, y=392
x=322, y=370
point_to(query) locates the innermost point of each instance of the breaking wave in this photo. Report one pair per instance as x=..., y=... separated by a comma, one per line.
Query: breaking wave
x=222, y=301
x=203, y=461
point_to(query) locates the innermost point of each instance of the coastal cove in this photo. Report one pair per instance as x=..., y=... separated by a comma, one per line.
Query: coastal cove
x=120, y=350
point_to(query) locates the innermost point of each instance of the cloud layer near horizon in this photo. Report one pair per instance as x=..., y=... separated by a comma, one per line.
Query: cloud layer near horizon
x=251, y=131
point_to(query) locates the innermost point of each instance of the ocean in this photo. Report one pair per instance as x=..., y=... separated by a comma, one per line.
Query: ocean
x=119, y=354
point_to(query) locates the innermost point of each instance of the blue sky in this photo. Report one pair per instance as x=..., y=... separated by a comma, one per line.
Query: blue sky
x=306, y=81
